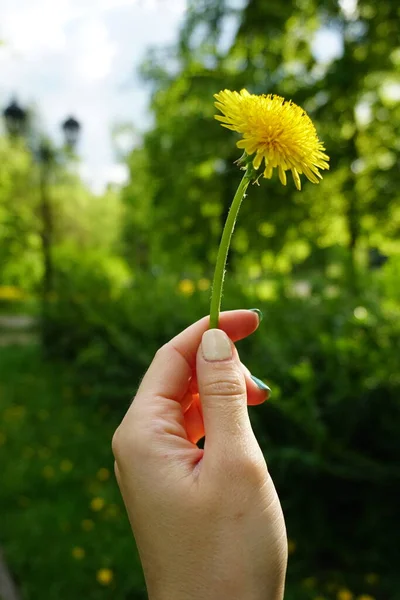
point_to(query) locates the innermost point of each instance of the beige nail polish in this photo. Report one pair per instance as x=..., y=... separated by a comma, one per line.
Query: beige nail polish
x=216, y=345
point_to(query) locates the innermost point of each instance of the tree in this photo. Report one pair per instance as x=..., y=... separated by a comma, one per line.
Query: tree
x=189, y=159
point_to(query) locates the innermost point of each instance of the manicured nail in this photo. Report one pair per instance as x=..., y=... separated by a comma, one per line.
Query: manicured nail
x=260, y=384
x=216, y=345
x=258, y=312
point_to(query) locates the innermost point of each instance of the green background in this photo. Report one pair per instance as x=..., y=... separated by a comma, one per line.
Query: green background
x=132, y=267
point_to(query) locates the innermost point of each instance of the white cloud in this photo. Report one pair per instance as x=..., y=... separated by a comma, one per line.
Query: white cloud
x=79, y=57
x=35, y=27
x=94, y=51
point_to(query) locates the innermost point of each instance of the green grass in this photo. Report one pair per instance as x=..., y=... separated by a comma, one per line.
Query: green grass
x=65, y=521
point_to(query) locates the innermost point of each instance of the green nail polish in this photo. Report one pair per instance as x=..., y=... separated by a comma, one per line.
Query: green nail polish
x=258, y=312
x=260, y=384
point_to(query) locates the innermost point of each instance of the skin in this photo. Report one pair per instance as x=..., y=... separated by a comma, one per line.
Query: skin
x=207, y=523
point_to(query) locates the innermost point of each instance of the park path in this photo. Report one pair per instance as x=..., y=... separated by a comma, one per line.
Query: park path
x=17, y=330
x=8, y=590
x=14, y=330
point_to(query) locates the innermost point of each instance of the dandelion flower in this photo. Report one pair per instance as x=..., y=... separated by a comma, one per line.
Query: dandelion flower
x=87, y=524
x=203, y=284
x=66, y=466
x=78, y=553
x=104, y=576
x=97, y=504
x=344, y=594
x=275, y=131
x=48, y=472
x=309, y=582
x=186, y=287
x=291, y=546
x=103, y=474
x=372, y=578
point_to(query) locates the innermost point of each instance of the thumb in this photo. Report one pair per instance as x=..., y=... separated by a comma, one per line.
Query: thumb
x=222, y=390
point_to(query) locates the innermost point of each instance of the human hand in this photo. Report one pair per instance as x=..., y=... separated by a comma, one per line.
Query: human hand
x=208, y=523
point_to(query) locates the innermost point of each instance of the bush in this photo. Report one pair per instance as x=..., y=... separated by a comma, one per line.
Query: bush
x=330, y=431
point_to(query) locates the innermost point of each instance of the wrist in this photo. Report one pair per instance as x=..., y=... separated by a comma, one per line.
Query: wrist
x=220, y=592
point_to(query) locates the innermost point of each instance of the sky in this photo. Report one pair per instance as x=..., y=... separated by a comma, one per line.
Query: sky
x=80, y=58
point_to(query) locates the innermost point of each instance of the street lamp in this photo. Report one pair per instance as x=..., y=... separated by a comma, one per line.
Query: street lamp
x=71, y=128
x=15, y=118
x=16, y=123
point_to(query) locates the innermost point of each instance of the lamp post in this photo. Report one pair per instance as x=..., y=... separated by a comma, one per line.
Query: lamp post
x=15, y=119
x=71, y=128
x=16, y=123
x=45, y=157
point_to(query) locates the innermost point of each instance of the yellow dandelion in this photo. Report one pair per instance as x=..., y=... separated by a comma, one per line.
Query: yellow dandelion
x=372, y=578
x=97, y=504
x=48, y=472
x=66, y=466
x=112, y=511
x=14, y=413
x=78, y=553
x=104, y=576
x=309, y=582
x=204, y=284
x=103, y=474
x=275, y=131
x=87, y=525
x=186, y=287
x=344, y=594
x=8, y=292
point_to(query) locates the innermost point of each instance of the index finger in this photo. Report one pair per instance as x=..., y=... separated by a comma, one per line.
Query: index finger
x=171, y=369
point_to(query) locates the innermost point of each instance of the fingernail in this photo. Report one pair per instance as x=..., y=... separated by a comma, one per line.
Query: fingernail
x=258, y=312
x=260, y=384
x=216, y=345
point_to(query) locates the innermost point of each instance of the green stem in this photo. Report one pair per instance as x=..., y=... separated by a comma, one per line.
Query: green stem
x=223, y=250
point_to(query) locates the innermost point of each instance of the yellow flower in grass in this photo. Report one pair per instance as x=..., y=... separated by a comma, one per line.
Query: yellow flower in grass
x=186, y=287
x=372, y=578
x=204, y=284
x=103, y=474
x=78, y=553
x=309, y=582
x=344, y=594
x=104, y=576
x=275, y=131
x=66, y=465
x=87, y=525
x=365, y=597
x=97, y=504
x=48, y=472
x=9, y=292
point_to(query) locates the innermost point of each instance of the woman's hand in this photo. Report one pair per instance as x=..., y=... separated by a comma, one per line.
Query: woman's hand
x=208, y=523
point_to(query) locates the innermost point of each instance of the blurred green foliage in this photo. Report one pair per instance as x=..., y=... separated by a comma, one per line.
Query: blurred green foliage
x=133, y=269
